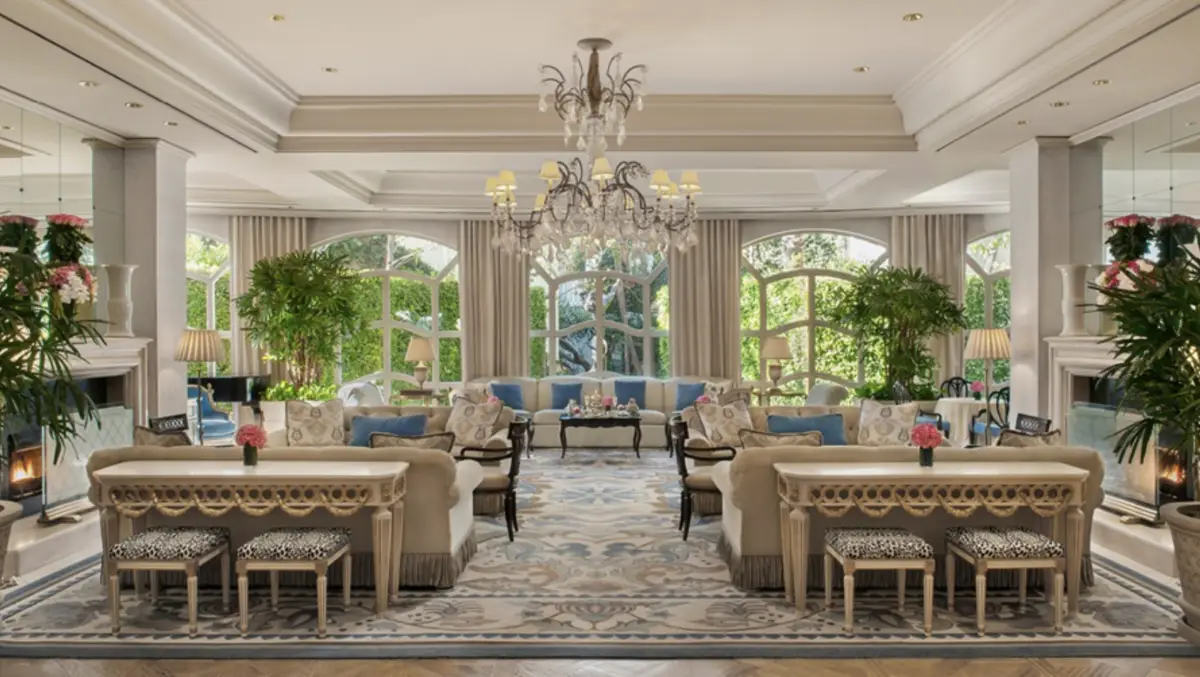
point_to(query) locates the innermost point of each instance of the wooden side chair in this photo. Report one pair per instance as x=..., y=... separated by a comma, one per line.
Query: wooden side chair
x=501, y=477
x=699, y=479
x=993, y=419
x=955, y=386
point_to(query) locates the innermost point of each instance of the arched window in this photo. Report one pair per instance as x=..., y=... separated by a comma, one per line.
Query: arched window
x=988, y=296
x=208, y=305
x=788, y=282
x=584, y=296
x=409, y=288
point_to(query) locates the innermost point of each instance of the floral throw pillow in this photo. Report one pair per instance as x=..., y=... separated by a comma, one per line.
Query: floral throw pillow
x=1014, y=438
x=472, y=424
x=722, y=423
x=440, y=441
x=754, y=439
x=315, y=425
x=886, y=425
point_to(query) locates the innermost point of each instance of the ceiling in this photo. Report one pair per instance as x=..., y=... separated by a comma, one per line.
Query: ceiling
x=761, y=97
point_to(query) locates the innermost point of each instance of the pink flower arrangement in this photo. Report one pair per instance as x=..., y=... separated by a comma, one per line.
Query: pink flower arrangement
x=1177, y=220
x=69, y=220
x=492, y=399
x=976, y=386
x=1129, y=221
x=927, y=436
x=1118, y=274
x=251, y=435
x=704, y=399
x=73, y=283
x=17, y=218
x=607, y=401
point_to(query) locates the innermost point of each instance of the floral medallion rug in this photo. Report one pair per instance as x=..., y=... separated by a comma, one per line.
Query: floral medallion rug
x=598, y=570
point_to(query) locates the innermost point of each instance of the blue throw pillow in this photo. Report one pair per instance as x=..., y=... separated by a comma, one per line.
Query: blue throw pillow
x=831, y=427
x=561, y=393
x=404, y=426
x=686, y=394
x=630, y=390
x=510, y=394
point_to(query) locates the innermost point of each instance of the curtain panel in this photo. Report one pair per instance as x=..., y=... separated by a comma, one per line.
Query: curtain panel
x=704, y=303
x=494, y=301
x=252, y=239
x=937, y=244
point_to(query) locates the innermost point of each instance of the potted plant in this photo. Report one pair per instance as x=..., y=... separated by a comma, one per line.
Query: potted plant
x=1159, y=368
x=897, y=311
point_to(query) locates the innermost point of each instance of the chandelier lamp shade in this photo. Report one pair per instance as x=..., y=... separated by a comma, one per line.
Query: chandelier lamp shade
x=593, y=104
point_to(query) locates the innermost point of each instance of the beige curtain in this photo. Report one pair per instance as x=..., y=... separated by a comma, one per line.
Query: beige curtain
x=704, y=297
x=251, y=239
x=937, y=244
x=494, y=300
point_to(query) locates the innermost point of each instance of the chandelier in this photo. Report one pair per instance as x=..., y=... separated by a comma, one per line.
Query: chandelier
x=603, y=207
x=593, y=105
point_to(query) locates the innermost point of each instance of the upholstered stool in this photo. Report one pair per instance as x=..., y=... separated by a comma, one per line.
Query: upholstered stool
x=157, y=549
x=1004, y=548
x=877, y=549
x=294, y=549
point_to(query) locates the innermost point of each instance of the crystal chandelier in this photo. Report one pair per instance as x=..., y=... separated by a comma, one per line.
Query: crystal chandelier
x=593, y=105
x=603, y=207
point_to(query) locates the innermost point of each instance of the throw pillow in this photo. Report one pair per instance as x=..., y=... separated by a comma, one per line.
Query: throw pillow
x=625, y=390
x=686, y=394
x=562, y=393
x=754, y=439
x=145, y=437
x=882, y=425
x=831, y=427
x=440, y=441
x=362, y=427
x=472, y=423
x=509, y=393
x=315, y=425
x=722, y=423
x=474, y=394
x=1016, y=438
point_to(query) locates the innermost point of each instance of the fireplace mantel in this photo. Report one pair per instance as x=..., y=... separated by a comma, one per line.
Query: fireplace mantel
x=1075, y=356
x=115, y=358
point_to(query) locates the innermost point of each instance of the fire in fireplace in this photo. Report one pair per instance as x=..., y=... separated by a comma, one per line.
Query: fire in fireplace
x=25, y=472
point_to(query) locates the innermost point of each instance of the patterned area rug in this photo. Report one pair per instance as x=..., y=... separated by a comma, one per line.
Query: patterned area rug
x=597, y=570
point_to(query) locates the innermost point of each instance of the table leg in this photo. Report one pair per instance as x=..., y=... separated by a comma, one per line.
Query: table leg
x=785, y=535
x=799, y=520
x=381, y=544
x=1074, y=556
x=397, y=546
x=110, y=533
x=562, y=437
x=637, y=440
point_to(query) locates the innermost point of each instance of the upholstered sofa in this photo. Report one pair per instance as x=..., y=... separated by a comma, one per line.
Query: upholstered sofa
x=439, y=537
x=537, y=398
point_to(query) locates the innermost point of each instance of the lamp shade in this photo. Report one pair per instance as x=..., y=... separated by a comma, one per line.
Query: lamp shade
x=200, y=345
x=550, y=171
x=988, y=344
x=776, y=348
x=506, y=180
x=419, y=350
x=659, y=180
x=601, y=169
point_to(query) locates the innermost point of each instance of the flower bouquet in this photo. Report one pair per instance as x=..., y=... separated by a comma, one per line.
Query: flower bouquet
x=977, y=389
x=20, y=233
x=72, y=284
x=252, y=438
x=1119, y=275
x=1174, y=233
x=66, y=238
x=927, y=436
x=1129, y=237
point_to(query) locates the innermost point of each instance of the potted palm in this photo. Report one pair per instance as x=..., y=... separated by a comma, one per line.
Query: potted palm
x=1159, y=368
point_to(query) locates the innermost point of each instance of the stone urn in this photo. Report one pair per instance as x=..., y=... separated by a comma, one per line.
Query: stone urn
x=1184, y=522
x=9, y=513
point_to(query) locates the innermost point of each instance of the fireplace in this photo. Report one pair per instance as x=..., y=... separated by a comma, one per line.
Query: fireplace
x=21, y=472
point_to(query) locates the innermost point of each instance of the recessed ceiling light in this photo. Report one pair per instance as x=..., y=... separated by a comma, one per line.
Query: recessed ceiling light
x=915, y=16
x=132, y=104
x=1022, y=123
x=1101, y=82
x=277, y=17
x=1191, y=124
x=861, y=69
x=330, y=69
x=1060, y=104
x=170, y=123
x=5, y=128
x=88, y=83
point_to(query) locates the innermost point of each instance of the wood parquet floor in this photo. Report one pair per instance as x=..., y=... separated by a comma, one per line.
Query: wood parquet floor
x=1016, y=667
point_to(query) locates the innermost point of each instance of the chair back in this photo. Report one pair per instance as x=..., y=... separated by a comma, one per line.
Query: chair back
x=206, y=407
x=169, y=424
x=997, y=408
x=900, y=393
x=735, y=394
x=956, y=386
x=1032, y=424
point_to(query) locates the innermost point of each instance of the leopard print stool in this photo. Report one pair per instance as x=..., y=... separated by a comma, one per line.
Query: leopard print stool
x=1004, y=548
x=873, y=549
x=158, y=549
x=294, y=549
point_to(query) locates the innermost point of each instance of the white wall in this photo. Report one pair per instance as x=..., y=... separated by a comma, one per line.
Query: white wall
x=211, y=225
x=982, y=225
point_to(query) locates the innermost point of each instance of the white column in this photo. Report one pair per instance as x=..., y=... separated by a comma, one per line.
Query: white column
x=108, y=213
x=1055, y=211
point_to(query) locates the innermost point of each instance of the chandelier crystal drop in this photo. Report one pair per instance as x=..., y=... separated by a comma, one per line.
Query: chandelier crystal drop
x=593, y=104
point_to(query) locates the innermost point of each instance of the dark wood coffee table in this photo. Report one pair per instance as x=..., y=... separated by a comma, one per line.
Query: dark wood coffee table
x=568, y=421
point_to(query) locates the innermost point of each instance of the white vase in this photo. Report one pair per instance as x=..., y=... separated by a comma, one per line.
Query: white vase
x=120, y=307
x=1073, y=279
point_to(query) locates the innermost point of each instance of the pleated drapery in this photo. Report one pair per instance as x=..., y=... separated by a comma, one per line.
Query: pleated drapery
x=705, y=319
x=936, y=243
x=252, y=239
x=494, y=301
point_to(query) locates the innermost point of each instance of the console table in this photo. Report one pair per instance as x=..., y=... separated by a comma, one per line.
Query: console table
x=1049, y=489
x=610, y=421
x=131, y=489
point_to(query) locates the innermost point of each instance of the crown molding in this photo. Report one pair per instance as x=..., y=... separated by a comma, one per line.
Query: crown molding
x=347, y=184
x=1139, y=113
x=712, y=143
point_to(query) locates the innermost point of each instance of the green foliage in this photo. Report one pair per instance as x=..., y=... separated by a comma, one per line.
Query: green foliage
x=298, y=307
x=314, y=392
x=205, y=254
x=897, y=311
x=1129, y=243
x=975, y=310
x=1159, y=346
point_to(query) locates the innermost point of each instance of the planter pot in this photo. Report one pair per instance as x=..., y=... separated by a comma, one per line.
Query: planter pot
x=9, y=513
x=1184, y=521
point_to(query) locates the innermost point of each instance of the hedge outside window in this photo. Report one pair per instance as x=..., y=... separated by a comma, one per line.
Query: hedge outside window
x=988, y=299
x=787, y=286
x=208, y=303
x=591, y=295
x=409, y=288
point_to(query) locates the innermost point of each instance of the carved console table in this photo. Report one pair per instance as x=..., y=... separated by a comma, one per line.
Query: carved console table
x=131, y=489
x=1049, y=489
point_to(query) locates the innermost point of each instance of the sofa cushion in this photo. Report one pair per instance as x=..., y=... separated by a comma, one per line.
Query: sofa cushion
x=295, y=544
x=992, y=542
x=700, y=479
x=877, y=543
x=473, y=424
x=495, y=476
x=754, y=439
x=547, y=416
x=562, y=393
x=831, y=426
x=442, y=441
x=315, y=425
x=722, y=424
x=630, y=389
x=509, y=393
x=687, y=393
x=1016, y=438
x=886, y=425
x=170, y=544
x=362, y=427
x=145, y=437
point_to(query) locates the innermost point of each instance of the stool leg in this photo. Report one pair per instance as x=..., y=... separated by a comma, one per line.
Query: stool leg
x=243, y=598
x=225, y=579
x=848, y=593
x=828, y=581
x=193, y=593
x=347, y=568
x=950, y=573
x=322, y=602
x=1022, y=585
x=274, y=591
x=114, y=597
x=1058, y=600
x=137, y=584
x=929, y=597
x=901, y=584
x=980, y=598
x=153, y=586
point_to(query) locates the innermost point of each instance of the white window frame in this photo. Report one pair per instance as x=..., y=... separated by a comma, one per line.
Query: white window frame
x=210, y=296
x=989, y=295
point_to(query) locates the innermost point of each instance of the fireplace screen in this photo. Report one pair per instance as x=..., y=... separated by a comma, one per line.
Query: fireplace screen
x=25, y=472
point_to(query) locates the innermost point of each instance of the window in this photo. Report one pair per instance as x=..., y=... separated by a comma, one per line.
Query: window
x=988, y=297
x=788, y=283
x=587, y=296
x=208, y=303
x=409, y=288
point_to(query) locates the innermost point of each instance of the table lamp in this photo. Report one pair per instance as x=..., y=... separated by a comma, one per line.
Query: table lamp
x=775, y=348
x=419, y=351
x=987, y=345
x=200, y=345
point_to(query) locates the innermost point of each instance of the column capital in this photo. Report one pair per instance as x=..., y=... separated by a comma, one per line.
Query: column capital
x=159, y=144
x=99, y=144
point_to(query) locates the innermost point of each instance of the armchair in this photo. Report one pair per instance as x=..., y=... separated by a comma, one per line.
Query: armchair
x=501, y=468
x=698, y=479
x=213, y=424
